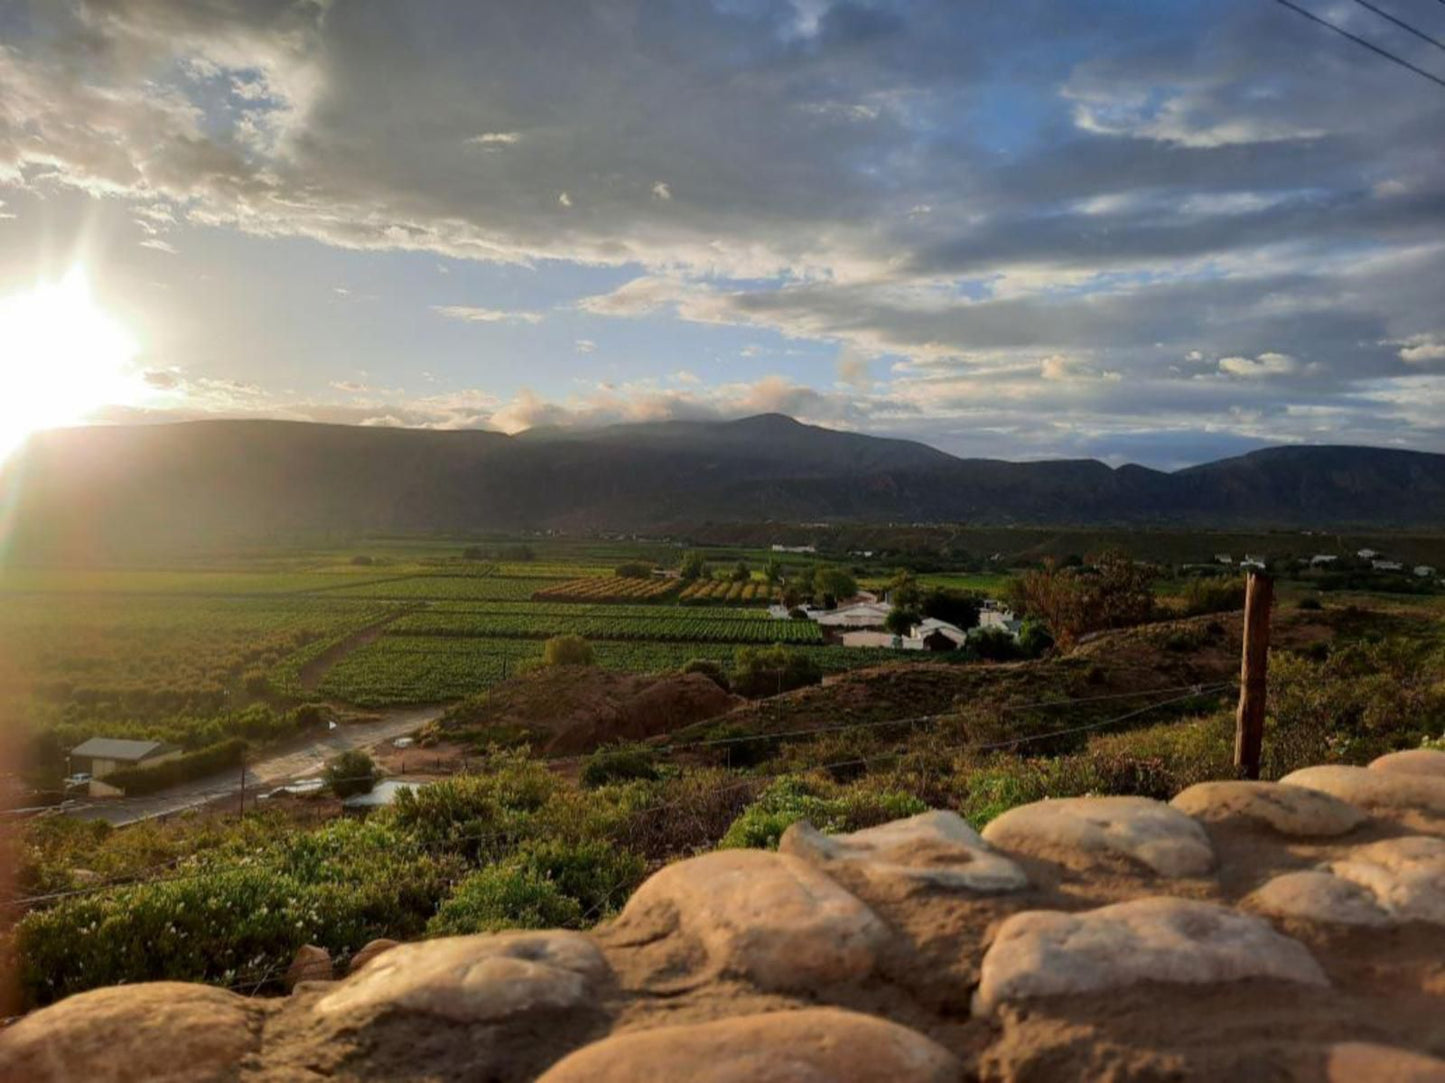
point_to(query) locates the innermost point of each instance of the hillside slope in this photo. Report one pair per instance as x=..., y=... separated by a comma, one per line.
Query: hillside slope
x=102, y=490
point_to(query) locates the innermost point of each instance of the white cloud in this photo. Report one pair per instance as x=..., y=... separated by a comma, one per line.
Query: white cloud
x=474, y=314
x=158, y=245
x=564, y=199
x=1266, y=364
x=1422, y=349
x=662, y=190
x=493, y=139
x=585, y=345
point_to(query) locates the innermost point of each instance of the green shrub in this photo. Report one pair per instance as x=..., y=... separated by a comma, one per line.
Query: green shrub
x=504, y=896
x=1034, y=640
x=617, y=763
x=207, y=761
x=1309, y=603
x=789, y=800
x=634, y=569
x=567, y=651
x=710, y=669
x=594, y=872
x=768, y=671
x=352, y=772
x=1213, y=595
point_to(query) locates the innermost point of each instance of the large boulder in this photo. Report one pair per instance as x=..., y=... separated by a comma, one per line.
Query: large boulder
x=1289, y=810
x=1150, y=832
x=1412, y=761
x=1357, y=1062
x=310, y=964
x=771, y=919
x=816, y=1045
x=1042, y=953
x=158, y=1031
x=471, y=979
x=933, y=849
x=1386, y=883
x=1375, y=788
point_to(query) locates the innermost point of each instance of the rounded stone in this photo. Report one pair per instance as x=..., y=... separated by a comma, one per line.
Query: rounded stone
x=933, y=849
x=370, y=951
x=1042, y=953
x=772, y=919
x=1318, y=895
x=1412, y=761
x=310, y=964
x=815, y=1045
x=1374, y=788
x=1163, y=838
x=475, y=979
x=1290, y=810
x=1355, y=1062
x=158, y=1031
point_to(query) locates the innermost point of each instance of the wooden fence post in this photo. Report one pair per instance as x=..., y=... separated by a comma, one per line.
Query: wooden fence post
x=1253, y=675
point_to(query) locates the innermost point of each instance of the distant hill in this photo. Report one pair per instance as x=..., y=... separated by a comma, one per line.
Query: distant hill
x=100, y=490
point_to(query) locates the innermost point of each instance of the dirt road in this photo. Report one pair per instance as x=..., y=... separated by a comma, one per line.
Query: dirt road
x=297, y=759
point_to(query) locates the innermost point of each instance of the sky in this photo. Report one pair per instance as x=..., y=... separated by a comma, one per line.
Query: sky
x=1158, y=232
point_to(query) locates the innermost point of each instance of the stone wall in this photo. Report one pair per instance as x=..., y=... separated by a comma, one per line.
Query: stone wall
x=1282, y=931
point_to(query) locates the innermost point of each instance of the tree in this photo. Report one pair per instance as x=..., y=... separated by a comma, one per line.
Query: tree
x=900, y=621
x=741, y=572
x=567, y=651
x=694, y=566
x=1111, y=591
x=957, y=607
x=773, y=571
x=903, y=590
x=634, y=569
x=351, y=773
x=838, y=582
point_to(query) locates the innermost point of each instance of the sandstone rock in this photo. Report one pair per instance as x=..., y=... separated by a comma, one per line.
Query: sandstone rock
x=1412, y=761
x=1048, y=953
x=1151, y=832
x=370, y=951
x=1385, y=883
x=1290, y=810
x=1374, y=788
x=770, y=918
x=311, y=964
x=473, y=979
x=934, y=849
x=1318, y=896
x=158, y=1031
x=1355, y=1062
x=816, y=1045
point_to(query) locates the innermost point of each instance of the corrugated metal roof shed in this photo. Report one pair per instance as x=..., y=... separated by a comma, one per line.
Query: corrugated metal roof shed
x=116, y=748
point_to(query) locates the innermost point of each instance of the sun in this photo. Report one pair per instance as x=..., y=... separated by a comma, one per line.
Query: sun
x=61, y=358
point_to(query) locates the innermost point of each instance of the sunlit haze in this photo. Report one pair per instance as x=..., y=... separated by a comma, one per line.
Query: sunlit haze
x=63, y=357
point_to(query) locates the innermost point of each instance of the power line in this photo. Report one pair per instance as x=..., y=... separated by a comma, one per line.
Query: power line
x=1402, y=24
x=1310, y=15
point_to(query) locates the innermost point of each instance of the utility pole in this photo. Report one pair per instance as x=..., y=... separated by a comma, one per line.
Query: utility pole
x=242, y=813
x=1253, y=675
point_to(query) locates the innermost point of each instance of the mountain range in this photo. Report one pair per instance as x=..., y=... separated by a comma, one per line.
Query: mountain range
x=111, y=489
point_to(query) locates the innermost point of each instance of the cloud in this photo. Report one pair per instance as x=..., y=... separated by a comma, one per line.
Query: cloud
x=1154, y=219
x=473, y=314
x=158, y=245
x=1266, y=364
x=585, y=345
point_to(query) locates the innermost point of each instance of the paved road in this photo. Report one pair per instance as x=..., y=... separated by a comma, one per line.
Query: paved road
x=297, y=760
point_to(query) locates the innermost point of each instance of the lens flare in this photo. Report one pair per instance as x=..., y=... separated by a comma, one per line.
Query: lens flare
x=61, y=358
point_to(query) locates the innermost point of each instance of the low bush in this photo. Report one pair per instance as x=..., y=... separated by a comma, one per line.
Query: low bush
x=1212, y=595
x=713, y=671
x=769, y=671
x=617, y=763
x=829, y=809
x=193, y=765
x=350, y=773
x=567, y=651
x=504, y=896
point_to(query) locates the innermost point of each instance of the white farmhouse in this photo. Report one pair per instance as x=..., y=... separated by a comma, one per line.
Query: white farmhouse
x=1367, y=554
x=862, y=615
x=1223, y=558
x=1424, y=571
x=1387, y=565
x=1320, y=560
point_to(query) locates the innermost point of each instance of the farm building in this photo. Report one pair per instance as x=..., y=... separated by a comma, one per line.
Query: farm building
x=1319, y=560
x=379, y=796
x=1223, y=558
x=101, y=756
x=862, y=615
x=1387, y=565
x=867, y=638
x=1424, y=571
x=939, y=635
x=1367, y=554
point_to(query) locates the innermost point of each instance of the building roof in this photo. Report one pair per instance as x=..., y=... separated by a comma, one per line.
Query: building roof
x=115, y=748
